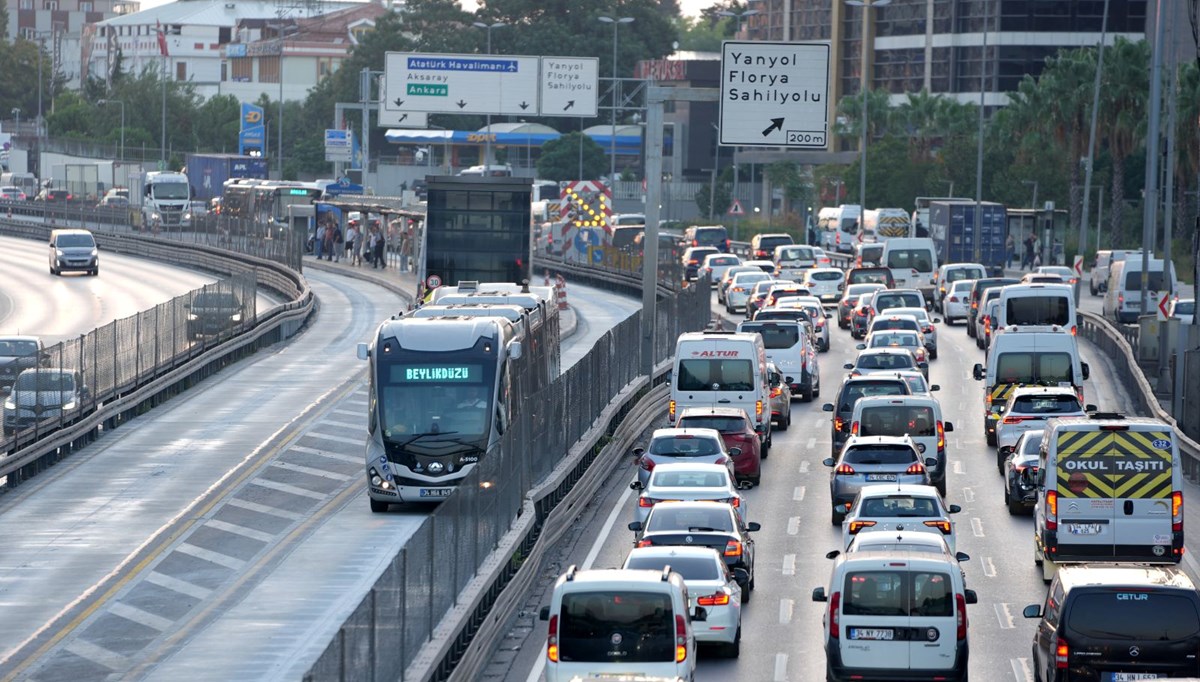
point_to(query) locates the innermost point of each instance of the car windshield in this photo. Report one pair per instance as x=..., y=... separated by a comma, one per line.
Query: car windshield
x=825, y=276
x=884, y=361
x=1031, y=443
x=897, y=300
x=904, y=340
x=17, y=348
x=1045, y=404
x=45, y=381
x=722, y=260
x=1134, y=615
x=171, y=191
x=668, y=517
x=769, y=243
x=880, y=542
x=67, y=241
x=898, y=420
x=899, y=506
x=1185, y=308
x=869, y=276
x=863, y=389
x=744, y=278
x=796, y=253
x=714, y=422
x=860, y=289
x=685, y=446
x=1018, y=367
x=775, y=336
x=699, y=255
x=879, y=454
x=962, y=286
x=1133, y=281
x=898, y=593
x=216, y=300
x=895, y=323
x=616, y=626
x=716, y=375
x=916, y=383
x=920, y=260
x=963, y=273
x=689, y=479
x=691, y=568
x=711, y=235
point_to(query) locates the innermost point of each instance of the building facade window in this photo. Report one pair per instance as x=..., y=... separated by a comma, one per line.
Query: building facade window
x=85, y=7
x=180, y=71
x=242, y=69
x=26, y=4
x=50, y=5
x=268, y=69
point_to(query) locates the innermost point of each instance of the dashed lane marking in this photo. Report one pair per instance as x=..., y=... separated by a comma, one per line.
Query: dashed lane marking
x=1004, y=615
x=977, y=526
x=347, y=425
x=781, y=661
x=957, y=467
x=263, y=509
x=789, y=564
x=285, y=488
x=793, y=525
x=786, y=606
x=968, y=495
x=336, y=439
x=98, y=655
x=804, y=467
x=819, y=421
x=176, y=585
x=346, y=413
x=989, y=568
x=812, y=443
x=210, y=556
x=1022, y=672
x=349, y=459
x=798, y=493
x=133, y=613
x=320, y=473
x=240, y=530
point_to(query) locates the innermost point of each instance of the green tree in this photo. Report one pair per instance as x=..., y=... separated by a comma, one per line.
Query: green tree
x=560, y=158
x=720, y=198
x=1123, y=95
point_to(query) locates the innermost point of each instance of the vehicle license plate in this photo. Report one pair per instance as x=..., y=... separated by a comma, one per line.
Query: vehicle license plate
x=881, y=477
x=1127, y=677
x=872, y=633
x=436, y=492
x=1086, y=529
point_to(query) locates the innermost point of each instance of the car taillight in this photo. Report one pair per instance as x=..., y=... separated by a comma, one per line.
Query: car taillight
x=552, y=640
x=941, y=434
x=739, y=289
x=953, y=299
x=758, y=409
x=974, y=305
x=671, y=411
x=915, y=468
x=718, y=599
x=693, y=262
x=680, y=639
x=646, y=502
x=943, y=526
x=776, y=392
x=1177, y=511
x=647, y=463
x=727, y=245
x=734, y=502
x=856, y=526
x=1017, y=420
x=1062, y=651
x=929, y=329
x=1120, y=300
x=695, y=242
x=1074, y=330
x=844, y=469
x=839, y=424
x=732, y=548
x=1051, y=510
x=853, y=428
x=835, y=603
x=960, y=600
x=987, y=320
x=645, y=543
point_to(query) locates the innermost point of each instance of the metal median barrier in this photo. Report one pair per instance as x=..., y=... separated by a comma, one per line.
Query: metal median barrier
x=120, y=370
x=423, y=612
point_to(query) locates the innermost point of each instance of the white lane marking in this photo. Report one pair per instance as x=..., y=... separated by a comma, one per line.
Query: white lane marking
x=211, y=556
x=346, y=425
x=240, y=530
x=349, y=459
x=793, y=525
x=819, y=421
x=781, y=661
x=957, y=467
x=968, y=494
x=133, y=613
x=977, y=526
x=1021, y=670
x=263, y=509
x=1004, y=615
x=176, y=585
x=789, y=564
x=311, y=471
x=357, y=402
x=285, y=488
x=98, y=655
x=346, y=413
x=336, y=439
x=989, y=568
x=798, y=493
x=812, y=443
x=786, y=606
x=622, y=504
x=804, y=467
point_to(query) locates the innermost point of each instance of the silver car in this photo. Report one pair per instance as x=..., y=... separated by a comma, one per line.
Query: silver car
x=681, y=446
x=873, y=460
x=739, y=289
x=723, y=284
x=692, y=482
x=927, y=326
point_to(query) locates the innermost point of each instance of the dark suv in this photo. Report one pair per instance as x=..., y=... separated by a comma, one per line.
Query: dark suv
x=213, y=312
x=982, y=285
x=762, y=246
x=1104, y=622
x=707, y=235
x=851, y=390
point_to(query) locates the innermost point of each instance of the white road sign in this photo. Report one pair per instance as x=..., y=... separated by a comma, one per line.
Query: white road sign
x=570, y=86
x=774, y=94
x=461, y=83
x=389, y=118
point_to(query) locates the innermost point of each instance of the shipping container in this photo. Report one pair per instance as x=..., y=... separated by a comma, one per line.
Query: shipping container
x=207, y=173
x=952, y=228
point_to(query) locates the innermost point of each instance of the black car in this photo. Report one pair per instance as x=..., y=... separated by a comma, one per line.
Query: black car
x=1019, y=466
x=18, y=353
x=700, y=524
x=213, y=312
x=1105, y=622
x=851, y=390
x=982, y=285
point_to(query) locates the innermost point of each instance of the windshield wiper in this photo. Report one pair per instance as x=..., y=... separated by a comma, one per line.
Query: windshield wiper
x=418, y=436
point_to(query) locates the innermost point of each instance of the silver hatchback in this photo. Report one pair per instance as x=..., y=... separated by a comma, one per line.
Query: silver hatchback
x=873, y=460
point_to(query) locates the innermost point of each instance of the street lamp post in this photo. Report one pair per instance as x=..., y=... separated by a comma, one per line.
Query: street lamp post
x=1033, y=206
x=612, y=134
x=279, y=41
x=122, y=103
x=979, y=150
x=740, y=16
x=864, y=67
x=445, y=147
x=487, y=139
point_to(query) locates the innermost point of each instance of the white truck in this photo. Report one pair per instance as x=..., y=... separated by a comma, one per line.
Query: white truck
x=165, y=199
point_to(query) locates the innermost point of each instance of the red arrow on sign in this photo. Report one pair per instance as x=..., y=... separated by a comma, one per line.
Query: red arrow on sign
x=1163, y=308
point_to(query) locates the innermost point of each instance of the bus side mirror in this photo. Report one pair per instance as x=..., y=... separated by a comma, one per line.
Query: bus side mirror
x=364, y=351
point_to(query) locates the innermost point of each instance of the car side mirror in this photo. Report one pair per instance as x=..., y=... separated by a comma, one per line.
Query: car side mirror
x=860, y=346
x=935, y=387
x=754, y=526
x=638, y=452
x=970, y=596
x=948, y=427
x=1032, y=611
x=790, y=380
x=818, y=594
x=700, y=615
x=636, y=485
x=544, y=613
x=829, y=316
x=848, y=365
x=827, y=407
x=741, y=576
x=635, y=526
x=977, y=372
x=828, y=461
x=937, y=320
x=962, y=556
x=953, y=509
x=930, y=462
x=1089, y=408
x=833, y=554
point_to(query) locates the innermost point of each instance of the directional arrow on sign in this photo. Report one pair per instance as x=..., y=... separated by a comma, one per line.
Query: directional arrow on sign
x=403, y=117
x=523, y=105
x=570, y=103
x=461, y=103
x=399, y=102
x=776, y=124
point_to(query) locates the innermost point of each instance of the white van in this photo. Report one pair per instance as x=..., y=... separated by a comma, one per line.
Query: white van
x=906, y=415
x=1110, y=488
x=1123, y=299
x=882, y=224
x=725, y=369
x=912, y=262
x=1050, y=306
x=618, y=621
x=894, y=611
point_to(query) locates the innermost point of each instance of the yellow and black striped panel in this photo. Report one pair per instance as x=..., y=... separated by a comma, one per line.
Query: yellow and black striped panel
x=1001, y=392
x=1115, y=464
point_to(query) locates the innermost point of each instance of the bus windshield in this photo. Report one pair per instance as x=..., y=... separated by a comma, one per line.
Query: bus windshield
x=292, y=196
x=451, y=397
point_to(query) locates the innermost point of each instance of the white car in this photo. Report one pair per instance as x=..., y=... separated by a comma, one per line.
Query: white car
x=1183, y=309
x=918, y=383
x=816, y=313
x=826, y=284
x=727, y=277
x=711, y=585
x=764, y=265
x=927, y=328
x=882, y=360
x=891, y=509
x=692, y=482
x=1029, y=407
x=716, y=264
x=899, y=338
x=957, y=304
x=740, y=287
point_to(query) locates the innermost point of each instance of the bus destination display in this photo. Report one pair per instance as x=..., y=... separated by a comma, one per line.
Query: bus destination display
x=416, y=374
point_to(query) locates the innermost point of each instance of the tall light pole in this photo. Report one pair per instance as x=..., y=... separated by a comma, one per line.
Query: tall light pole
x=122, y=103
x=1091, y=153
x=612, y=136
x=741, y=19
x=1150, y=207
x=867, y=5
x=979, y=151
x=487, y=139
x=740, y=16
x=281, y=30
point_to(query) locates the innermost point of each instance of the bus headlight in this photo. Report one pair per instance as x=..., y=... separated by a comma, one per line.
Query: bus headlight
x=236, y=317
x=376, y=481
x=10, y=404
x=69, y=406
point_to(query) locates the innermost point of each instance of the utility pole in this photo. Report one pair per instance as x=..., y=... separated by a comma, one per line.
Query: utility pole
x=1150, y=208
x=1169, y=217
x=863, y=90
x=1091, y=153
x=612, y=138
x=487, y=138
x=979, y=151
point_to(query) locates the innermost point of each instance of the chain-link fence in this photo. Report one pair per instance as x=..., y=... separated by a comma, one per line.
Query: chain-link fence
x=424, y=581
x=54, y=387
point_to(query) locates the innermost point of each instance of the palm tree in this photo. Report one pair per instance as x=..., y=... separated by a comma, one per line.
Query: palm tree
x=1065, y=85
x=1187, y=139
x=1125, y=84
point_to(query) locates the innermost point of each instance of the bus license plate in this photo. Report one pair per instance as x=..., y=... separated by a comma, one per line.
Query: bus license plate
x=436, y=492
x=880, y=634
x=881, y=477
x=1085, y=529
x=1129, y=677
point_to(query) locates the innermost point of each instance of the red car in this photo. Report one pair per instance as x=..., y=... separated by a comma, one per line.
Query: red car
x=737, y=431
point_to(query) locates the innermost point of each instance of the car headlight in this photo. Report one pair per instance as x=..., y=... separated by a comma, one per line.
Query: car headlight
x=10, y=404
x=192, y=317
x=95, y=253
x=58, y=252
x=236, y=317
x=69, y=406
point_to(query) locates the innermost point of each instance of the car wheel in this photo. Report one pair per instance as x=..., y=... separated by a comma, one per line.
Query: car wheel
x=836, y=517
x=53, y=271
x=1014, y=506
x=817, y=391
x=734, y=649
x=933, y=355
x=378, y=507
x=941, y=488
x=991, y=439
x=1092, y=288
x=1000, y=462
x=970, y=329
x=783, y=424
x=746, y=595
x=765, y=450
x=95, y=272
